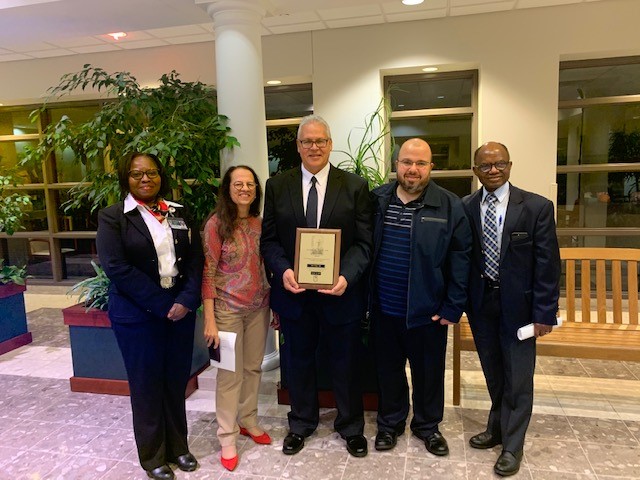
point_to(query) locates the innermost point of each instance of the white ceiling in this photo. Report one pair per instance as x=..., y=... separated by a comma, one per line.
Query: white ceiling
x=50, y=28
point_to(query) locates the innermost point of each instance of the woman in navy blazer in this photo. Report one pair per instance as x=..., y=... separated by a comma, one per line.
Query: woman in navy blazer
x=153, y=257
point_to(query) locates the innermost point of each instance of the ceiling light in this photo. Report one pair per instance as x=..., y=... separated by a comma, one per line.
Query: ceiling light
x=274, y=82
x=440, y=97
x=430, y=69
x=412, y=2
x=117, y=35
x=400, y=105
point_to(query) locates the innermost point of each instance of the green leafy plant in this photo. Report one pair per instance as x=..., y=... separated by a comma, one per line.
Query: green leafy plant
x=178, y=121
x=12, y=205
x=366, y=158
x=12, y=274
x=93, y=291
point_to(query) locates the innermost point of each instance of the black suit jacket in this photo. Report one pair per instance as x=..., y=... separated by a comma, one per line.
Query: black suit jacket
x=129, y=259
x=346, y=206
x=529, y=261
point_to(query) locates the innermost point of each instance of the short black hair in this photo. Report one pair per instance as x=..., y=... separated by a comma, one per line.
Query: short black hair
x=125, y=167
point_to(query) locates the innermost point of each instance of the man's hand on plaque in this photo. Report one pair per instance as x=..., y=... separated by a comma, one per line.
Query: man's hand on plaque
x=289, y=282
x=338, y=289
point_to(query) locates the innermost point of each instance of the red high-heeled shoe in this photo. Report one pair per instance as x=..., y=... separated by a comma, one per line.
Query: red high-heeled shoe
x=229, y=463
x=263, y=439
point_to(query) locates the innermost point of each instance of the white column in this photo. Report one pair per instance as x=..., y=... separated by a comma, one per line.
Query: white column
x=240, y=89
x=239, y=81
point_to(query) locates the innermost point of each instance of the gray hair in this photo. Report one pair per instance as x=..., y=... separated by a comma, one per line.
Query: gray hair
x=314, y=119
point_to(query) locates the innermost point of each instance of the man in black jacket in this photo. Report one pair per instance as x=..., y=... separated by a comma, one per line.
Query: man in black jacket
x=422, y=244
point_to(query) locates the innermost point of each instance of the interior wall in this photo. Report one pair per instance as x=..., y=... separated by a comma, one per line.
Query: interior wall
x=516, y=52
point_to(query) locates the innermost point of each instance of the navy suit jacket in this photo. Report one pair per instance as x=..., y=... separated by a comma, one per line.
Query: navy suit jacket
x=129, y=259
x=529, y=261
x=346, y=206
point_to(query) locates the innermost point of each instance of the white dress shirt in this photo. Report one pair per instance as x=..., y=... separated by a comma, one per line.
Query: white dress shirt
x=322, y=178
x=161, y=234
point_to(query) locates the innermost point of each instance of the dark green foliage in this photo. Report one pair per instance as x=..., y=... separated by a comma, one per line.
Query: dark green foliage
x=178, y=121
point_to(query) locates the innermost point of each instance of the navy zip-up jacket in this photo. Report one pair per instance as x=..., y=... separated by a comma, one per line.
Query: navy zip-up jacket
x=440, y=254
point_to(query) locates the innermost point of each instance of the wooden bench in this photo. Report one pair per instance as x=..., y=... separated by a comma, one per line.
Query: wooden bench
x=608, y=332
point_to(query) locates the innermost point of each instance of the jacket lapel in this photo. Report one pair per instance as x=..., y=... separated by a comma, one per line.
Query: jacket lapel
x=295, y=195
x=514, y=210
x=137, y=221
x=334, y=184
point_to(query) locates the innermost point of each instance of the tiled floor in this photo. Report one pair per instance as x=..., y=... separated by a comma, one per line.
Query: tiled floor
x=586, y=424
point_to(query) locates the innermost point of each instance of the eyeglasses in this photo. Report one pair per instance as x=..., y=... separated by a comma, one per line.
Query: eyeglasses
x=421, y=164
x=320, y=143
x=138, y=174
x=239, y=185
x=486, y=167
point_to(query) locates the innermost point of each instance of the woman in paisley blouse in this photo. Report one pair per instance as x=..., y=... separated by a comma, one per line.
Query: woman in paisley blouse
x=235, y=296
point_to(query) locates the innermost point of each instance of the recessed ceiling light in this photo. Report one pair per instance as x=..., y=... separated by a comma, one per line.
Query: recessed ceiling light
x=117, y=35
x=440, y=97
x=430, y=69
x=412, y=2
x=274, y=82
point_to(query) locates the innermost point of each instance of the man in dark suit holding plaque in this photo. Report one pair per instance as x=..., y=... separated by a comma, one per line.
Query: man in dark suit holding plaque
x=318, y=195
x=514, y=281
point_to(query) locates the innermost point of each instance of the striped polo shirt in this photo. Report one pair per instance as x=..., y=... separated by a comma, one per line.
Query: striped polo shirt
x=394, y=257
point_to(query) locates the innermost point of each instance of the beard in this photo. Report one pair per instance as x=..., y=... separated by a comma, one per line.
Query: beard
x=413, y=186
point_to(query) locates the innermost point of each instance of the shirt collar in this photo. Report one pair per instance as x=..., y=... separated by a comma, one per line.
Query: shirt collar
x=500, y=192
x=130, y=203
x=321, y=176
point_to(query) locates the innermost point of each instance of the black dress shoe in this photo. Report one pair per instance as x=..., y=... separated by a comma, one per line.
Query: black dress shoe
x=484, y=440
x=386, y=440
x=292, y=444
x=436, y=444
x=508, y=464
x=186, y=462
x=163, y=472
x=357, y=445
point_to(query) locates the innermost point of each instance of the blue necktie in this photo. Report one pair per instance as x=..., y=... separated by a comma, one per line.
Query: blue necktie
x=312, y=205
x=490, y=239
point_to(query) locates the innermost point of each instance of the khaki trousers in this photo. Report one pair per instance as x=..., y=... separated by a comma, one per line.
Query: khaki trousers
x=237, y=392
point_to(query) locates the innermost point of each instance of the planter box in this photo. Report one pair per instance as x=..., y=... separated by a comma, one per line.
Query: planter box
x=13, y=324
x=97, y=362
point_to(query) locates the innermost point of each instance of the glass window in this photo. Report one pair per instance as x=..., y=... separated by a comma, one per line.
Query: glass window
x=16, y=122
x=283, y=153
x=78, y=220
x=440, y=108
x=288, y=101
x=599, y=153
x=12, y=153
x=417, y=92
x=607, y=80
x=449, y=137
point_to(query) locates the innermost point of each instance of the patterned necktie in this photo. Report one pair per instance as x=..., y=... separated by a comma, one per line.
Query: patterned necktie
x=312, y=205
x=490, y=239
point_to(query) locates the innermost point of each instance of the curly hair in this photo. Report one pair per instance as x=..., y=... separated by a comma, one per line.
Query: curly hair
x=227, y=210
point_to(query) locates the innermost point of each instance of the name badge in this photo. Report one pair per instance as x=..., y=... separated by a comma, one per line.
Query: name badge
x=177, y=223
